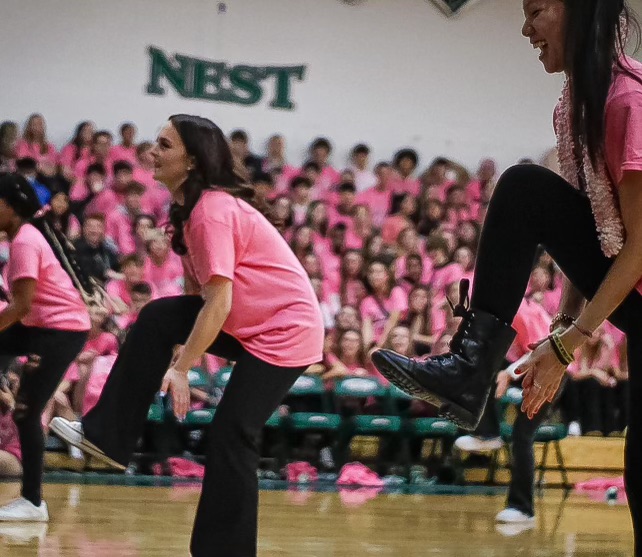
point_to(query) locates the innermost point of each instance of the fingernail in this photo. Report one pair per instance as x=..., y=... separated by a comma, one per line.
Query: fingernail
x=519, y=371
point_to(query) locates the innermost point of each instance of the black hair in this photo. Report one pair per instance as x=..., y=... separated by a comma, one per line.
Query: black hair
x=21, y=197
x=311, y=165
x=346, y=187
x=119, y=166
x=213, y=169
x=125, y=126
x=26, y=164
x=142, y=288
x=102, y=133
x=406, y=154
x=361, y=149
x=77, y=141
x=98, y=168
x=300, y=181
x=321, y=143
x=596, y=36
x=239, y=135
x=262, y=177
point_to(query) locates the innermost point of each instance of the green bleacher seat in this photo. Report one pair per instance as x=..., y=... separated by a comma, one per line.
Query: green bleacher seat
x=199, y=418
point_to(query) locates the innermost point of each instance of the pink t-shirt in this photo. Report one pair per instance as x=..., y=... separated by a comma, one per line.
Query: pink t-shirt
x=119, y=227
x=56, y=303
x=9, y=440
x=68, y=155
x=275, y=314
x=370, y=308
x=379, y=203
x=623, y=143
x=33, y=151
x=392, y=227
x=167, y=278
x=121, y=153
x=406, y=185
x=531, y=324
x=104, y=344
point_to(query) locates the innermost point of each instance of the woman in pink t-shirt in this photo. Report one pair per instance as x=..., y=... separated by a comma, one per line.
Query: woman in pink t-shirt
x=587, y=218
x=163, y=268
x=77, y=149
x=45, y=320
x=34, y=144
x=248, y=300
x=382, y=309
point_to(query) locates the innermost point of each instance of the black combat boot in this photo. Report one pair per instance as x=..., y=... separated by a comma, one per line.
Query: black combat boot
x=457, y=383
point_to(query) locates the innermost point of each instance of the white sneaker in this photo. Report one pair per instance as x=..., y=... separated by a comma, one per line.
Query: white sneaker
x=574, y=429
x=512, y=530
x=513, y=516
x=22, y=510
x=472, y=444
x=17, y=533
x=76, y=453
x=72, y=433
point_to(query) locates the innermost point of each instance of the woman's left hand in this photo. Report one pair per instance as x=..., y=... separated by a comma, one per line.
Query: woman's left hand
x=176, y=383
x=543, y=376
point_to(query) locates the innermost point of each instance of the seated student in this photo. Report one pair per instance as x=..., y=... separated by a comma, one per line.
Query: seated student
x=34, y=143
x=141, y=294
x=163, y=268
x=28, y=168
x=157, y=198
x=10, y=453
x=121, y=220
x=263, y=185
x=78, y=148
x=84, y=190
x=100, y=154
x=120, y=290
x=61, y=217
x=349, y=359
x=379, y=197
x=97, y=257
x=126, y=149
x=301, y=198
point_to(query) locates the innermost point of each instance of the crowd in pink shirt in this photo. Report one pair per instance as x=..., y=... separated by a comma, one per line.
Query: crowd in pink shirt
x=384, y=246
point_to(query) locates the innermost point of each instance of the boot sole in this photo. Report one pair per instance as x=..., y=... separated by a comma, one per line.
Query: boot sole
x=446, y=408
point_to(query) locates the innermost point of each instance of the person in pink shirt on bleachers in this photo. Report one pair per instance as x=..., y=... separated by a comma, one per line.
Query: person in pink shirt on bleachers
x=156, y=199
x=34, y=143
x=382, y=309
x=344, y=211
x=352, y=286
x=423, y=319
x=379, y=197
x=126, y=149
x=405, y=163
x=465, y=257
x=404, y=213
x=416, y=270
x=141, y=294
x=120, y=290
x=331, y=257
x=349, y=359
x=275, y=163
x=436, y=178
x=77, y=149
x=317, y=219
x=121, y=219
x=480, y=189
x=542, y=290
x=10, y=452
x=457, y=207
x=300, y=193
x=445, y=272
x=84, y=190
x=320, y=151
x=364, y=178
x=302, y=242
x=100, y=153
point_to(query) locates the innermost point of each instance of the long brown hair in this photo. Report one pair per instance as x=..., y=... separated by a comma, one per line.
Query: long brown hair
x=29, y=137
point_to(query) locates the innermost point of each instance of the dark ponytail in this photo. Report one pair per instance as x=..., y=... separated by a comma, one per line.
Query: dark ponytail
x=22, y=198
x=213, y=169
x=596, y=36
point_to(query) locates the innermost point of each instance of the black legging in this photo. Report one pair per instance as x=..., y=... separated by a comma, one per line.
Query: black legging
x=226, y=519
x=533, y=206
x=56, y=350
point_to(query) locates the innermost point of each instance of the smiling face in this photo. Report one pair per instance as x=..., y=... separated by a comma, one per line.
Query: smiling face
x=171, y=161
x=544, y=27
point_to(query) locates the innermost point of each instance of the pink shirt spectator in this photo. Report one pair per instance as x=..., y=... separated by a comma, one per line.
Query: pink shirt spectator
x=623, y=143
x=118, y=289
x=373, y=310
x=68, y=155
x=379, y=202
x=80, y=170
x=121, y=153
x=104, y=344
x=275, y=314
x=406, y=185
x=328, y=178
x=119, y=227
x=156, y=199
x=33, y=151
x=282, y=181
x=392, y=227
x=56, y=303
x=531, y=324
x=331, y=265
x=443, y=276
x=355, y=370
x=9, y=440
x=167, y=278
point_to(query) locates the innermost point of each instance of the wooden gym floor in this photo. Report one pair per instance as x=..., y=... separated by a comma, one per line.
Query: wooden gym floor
x=116, y=521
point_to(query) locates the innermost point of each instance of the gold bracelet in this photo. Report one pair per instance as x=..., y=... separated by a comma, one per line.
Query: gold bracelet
x=564, y=356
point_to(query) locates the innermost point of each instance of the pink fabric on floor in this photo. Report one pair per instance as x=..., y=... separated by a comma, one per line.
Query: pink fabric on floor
x=597, y=487
x=355, y=473
x=182, y=468
x=301, y=472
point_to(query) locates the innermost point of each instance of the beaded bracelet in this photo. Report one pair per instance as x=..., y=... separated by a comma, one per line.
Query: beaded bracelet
x=562, y=354
x=561, y=318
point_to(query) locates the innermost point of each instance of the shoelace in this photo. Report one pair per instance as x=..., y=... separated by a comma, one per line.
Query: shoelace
x=462, y=309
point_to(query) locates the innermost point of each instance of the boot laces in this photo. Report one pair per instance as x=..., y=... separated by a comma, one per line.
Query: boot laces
x=462, y=309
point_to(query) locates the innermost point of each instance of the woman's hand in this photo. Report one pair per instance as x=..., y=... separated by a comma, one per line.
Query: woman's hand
x=503, y=382
x=177, y=384
x=543, y=374
x=7, y=402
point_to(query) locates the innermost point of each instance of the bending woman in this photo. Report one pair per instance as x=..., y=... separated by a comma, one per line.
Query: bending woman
x=249, y=301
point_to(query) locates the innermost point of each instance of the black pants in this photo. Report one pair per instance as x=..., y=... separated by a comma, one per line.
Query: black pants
x=522, y=468
x=533, y=206
x=226, y=520
x=56, y=351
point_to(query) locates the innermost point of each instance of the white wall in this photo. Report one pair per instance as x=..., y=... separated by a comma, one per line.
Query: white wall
x=390, y=72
